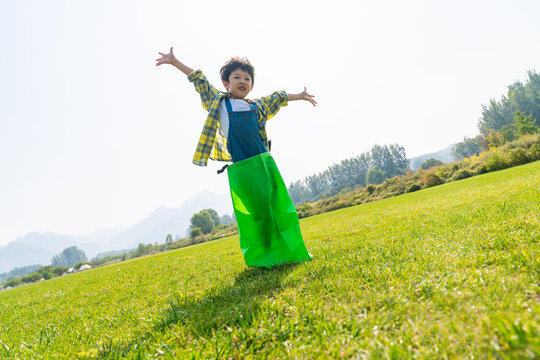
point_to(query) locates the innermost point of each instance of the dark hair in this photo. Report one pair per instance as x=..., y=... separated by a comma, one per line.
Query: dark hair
x=237, y=63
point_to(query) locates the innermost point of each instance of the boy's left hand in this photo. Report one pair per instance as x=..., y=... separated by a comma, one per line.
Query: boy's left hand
x=304, y=95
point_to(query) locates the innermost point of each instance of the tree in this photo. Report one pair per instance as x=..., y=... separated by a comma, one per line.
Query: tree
x=391, y=160
x=524, y=124
x=429, y=163
x=399, y=159
x=47, y=272
x=375, y=175
x=468, y=147
x=215, y=217
x=194, y=232
x=523, y=97
x=494, y=139
x=168, y=239
x=508, y=133
x=227, y=219
x=202, y=220
x=69, y=257
x=317, y=184
x=360, y=168
x=299, y=192
x=144, y=249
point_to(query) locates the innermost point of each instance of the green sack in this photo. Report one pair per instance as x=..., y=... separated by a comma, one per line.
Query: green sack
x=267, y=220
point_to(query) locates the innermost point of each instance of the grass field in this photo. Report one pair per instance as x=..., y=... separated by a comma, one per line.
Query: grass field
x=447, y=272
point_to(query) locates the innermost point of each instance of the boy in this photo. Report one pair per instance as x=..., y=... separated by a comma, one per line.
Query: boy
x=235, y=131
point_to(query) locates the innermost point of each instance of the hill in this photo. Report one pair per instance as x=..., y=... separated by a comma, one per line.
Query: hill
x=444, y=155
x=39, y=248
x=449, y=271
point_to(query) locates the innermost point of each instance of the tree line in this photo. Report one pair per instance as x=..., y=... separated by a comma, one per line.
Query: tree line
x=516, y=114
x=520, y=97
x=372, y=167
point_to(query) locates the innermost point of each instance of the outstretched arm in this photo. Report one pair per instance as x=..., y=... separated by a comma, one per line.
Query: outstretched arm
x=304, y=95
x=172, y=60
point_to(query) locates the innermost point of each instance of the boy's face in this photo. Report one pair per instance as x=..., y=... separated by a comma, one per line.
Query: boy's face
x=239, y=84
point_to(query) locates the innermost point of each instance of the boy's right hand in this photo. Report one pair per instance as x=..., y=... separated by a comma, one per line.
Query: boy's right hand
x=170, y=59
x=166, y=58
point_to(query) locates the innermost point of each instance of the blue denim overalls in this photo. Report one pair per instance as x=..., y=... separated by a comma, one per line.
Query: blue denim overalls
x=244, y=139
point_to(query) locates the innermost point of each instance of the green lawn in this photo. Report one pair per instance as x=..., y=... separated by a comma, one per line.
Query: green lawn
x=447, y=272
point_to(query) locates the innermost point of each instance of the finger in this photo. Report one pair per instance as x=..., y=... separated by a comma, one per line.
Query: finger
x=171, y=50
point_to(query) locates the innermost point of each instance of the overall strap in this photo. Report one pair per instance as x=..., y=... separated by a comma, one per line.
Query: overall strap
x=228, y=104
x=222, y=169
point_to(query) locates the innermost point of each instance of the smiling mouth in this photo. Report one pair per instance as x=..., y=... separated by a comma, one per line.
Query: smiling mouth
x=242, y=88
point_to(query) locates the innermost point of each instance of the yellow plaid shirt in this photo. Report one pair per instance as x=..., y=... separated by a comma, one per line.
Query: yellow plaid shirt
x=213, y=143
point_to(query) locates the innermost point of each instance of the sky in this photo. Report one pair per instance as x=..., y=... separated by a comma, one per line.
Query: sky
x=93, y=135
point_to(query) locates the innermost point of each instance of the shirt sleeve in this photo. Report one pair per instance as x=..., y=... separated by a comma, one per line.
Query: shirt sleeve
x=273, y=103
x=203, y=87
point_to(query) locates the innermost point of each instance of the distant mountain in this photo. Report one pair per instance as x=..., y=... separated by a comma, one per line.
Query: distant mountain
x=16, y=254
x=444, y=155
x=39, y=248
x=163, y=221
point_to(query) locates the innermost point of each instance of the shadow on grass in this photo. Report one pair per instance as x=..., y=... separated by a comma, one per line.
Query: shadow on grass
x=228, y=306
x=220, y=308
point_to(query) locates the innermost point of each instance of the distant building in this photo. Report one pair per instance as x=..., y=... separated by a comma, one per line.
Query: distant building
x=84, y=267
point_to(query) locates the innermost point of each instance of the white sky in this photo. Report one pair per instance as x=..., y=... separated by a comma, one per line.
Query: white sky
x=93, y=135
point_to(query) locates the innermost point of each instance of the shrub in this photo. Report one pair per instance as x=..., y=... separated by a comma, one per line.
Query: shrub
x=339, y=205
x=59, y=270
x=31, y=277
x=413, y=187
x=13, y=282
x=517, y=157
x=461, y=174
x=375, y=175
x=524, y=142
x=535, y=152
x=429, y=163
x=304, y=210
x=478, y=168
x=431, y=179
x=370, y=189
x=46, y=272
x=194, y=232
x=442, y=173
x=494, y=162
